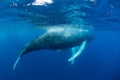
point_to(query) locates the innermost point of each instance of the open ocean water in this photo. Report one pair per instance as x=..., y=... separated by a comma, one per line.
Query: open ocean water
x=19, y=22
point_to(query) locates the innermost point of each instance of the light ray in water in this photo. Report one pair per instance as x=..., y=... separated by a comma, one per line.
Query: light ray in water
x=42, y=2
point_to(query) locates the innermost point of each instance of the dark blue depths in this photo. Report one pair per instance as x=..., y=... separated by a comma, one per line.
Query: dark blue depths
x=99, y=61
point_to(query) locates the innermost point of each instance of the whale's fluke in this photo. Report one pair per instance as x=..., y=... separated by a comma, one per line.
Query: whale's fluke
x=18, y=59
x=82, y=47
x=16, y=63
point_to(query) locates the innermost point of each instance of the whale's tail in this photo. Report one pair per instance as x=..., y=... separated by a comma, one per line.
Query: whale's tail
x=18, y=59
x=16, y=62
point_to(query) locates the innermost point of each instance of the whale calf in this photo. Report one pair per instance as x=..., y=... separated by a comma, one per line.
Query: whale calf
x=58, y=38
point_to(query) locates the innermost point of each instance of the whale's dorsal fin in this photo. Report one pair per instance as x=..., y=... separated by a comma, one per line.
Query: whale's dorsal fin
x=80, y=50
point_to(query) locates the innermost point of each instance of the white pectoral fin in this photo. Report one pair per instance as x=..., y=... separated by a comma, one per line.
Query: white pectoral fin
x=78, y=52
x=74, y=50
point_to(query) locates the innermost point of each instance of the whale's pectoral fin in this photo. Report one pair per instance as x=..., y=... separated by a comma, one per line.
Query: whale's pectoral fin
x=77, y=51
x=73, y=51
x=19, y=57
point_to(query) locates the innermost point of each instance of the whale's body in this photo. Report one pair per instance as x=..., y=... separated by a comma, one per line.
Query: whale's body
x=58, y=38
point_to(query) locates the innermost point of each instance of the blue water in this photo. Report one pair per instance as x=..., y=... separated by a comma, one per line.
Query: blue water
x=99, y=61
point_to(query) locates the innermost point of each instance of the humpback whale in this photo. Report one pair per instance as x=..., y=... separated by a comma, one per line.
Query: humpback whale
x=58, y=38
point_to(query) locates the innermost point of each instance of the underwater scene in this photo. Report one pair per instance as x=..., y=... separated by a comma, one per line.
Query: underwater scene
x=59, y=39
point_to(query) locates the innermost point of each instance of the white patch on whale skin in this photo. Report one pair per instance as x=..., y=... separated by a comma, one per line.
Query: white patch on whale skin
x=83, y=30
x=67, y=34
x=55, y=29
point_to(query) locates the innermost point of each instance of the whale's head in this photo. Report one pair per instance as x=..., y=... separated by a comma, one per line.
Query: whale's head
x=88, y=33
